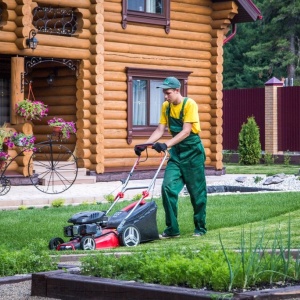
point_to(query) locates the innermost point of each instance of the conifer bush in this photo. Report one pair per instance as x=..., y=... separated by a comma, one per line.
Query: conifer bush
x=249, y=145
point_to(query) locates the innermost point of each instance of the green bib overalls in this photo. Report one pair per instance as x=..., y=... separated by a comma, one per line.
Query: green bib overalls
x=185, y=166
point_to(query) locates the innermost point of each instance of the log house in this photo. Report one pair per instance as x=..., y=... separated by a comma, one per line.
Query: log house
x=94, y=58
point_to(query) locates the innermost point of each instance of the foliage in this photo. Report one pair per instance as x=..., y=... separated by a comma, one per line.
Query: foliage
x=31, y=259
x=286, y=158
x=4, y=134
x=257, y=179
x=67, y=128
x=31, y=110
x=21, y=140
x=109, y=198
x=269, y=158
x=249, y=145
x=265, y=48
x=4, y=156
x=58, y=202
x=213, y=269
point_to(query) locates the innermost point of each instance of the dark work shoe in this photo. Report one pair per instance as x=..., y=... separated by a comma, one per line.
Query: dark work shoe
x=166, y=236
x=197, y=234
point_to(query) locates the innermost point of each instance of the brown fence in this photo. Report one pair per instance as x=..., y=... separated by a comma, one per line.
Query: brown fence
x=289, y=119
x=238, y=105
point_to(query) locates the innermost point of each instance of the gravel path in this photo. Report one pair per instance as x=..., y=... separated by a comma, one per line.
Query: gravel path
x=18, y=291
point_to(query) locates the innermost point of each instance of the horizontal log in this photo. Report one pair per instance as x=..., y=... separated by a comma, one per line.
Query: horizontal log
x=205, y=134
x=206, y=143
x=216, y=68
x=113, y=105
x=159, y=51
x=217, y=164
x=11, y=15
x=204, y=108
x=83, y=153
x=216, y=77
x=200, y=20
x=191, y=9
x=224, y=14
x=205, y=125
x=97, y=8
x=61, y=93
x=216, y=121
x=115, y=133
x=68, y=3
x=112, y=22
x=115, y=96
x=200, y=90
x=216, y=130
x=216, y=156
x=228, y=5
x=83, y=114
x=217, y=60
x=216, y=148
x=11, y=4
x=117, y=143
x=217, y=103
x=62, y=42
x=217, y=112
x=26, y=128
x=96, y=158
x=113, y=124
x=216, y=139
x=155, y=61
x=9, y=26
x=159, y=42
x=121, y=162
x=217, y=95
x=83, y=104
x=216, y=86
x=115, y=115
x=220, y=24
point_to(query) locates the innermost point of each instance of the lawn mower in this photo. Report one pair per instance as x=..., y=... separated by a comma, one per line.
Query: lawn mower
x=134, y=224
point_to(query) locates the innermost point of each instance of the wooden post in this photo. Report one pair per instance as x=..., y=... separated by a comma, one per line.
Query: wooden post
x=271, y=115
x=17, y=91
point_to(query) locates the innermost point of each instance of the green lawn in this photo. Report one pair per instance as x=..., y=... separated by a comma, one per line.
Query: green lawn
x=262, y=169
x=227, y=216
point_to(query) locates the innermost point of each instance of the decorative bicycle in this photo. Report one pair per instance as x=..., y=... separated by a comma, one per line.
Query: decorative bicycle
x=52, y=167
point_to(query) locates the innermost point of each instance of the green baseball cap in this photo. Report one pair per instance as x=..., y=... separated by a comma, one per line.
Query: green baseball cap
x=170, y=83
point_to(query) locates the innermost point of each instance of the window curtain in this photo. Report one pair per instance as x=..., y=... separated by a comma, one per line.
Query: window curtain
x=151, y=6
x=157, y=99
x=139, y=102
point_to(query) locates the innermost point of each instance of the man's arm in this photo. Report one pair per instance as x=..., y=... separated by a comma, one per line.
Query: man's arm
x=157, y=134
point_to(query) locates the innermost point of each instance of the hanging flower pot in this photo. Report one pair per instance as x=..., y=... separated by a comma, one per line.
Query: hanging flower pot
x=56, y=131
x=66, y=128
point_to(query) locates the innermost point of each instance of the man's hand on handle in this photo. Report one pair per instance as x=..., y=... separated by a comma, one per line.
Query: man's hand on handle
x=159, y=147
x=139, y=149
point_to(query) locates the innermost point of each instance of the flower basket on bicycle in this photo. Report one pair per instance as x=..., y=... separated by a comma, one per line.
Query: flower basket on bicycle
x=61, y=128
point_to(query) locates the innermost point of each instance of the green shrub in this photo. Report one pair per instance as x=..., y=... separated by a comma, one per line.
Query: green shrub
x=58, y=202
x=269, y=159
x=109, y=198
x=286, y=158
x=249, y=145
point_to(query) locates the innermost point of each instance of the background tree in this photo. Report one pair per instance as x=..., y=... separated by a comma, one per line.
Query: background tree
x=266, y=48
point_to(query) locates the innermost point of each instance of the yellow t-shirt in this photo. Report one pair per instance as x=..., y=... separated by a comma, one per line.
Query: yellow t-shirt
x=190, y=114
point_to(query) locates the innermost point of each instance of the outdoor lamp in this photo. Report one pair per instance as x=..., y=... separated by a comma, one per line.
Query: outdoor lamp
x=32, y=41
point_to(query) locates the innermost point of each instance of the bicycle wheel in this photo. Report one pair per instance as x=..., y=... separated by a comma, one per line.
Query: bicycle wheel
x=4, y=185
x=52, y=168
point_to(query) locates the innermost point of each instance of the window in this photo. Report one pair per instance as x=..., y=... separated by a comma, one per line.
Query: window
x=145, y=100
x=156, y=12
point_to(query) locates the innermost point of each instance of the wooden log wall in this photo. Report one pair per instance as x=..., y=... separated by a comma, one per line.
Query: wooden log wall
x=222, y=13
x=104, y=50
x=187, y=47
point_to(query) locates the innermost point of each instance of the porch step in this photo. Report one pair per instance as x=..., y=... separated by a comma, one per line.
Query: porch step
x=79, y=180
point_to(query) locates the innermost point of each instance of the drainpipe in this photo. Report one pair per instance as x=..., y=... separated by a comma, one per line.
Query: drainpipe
x=232, y=34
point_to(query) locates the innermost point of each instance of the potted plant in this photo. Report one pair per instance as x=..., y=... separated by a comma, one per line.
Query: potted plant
x=31, y=110
x=21, y=140
x=65, y=128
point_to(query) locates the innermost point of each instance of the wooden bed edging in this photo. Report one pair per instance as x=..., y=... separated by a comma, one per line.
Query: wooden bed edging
x=64, y=285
